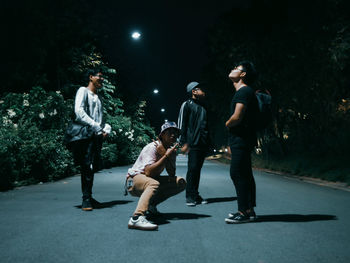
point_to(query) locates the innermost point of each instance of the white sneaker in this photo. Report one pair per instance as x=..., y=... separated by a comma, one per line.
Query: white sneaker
x=141, y=223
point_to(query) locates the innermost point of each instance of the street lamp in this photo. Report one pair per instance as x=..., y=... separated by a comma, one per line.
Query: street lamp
x=162, y=110
x=155, y=91
x=136, y=35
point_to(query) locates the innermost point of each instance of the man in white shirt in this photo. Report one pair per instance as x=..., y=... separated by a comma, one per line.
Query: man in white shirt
x=86, y=151
x=144, y=179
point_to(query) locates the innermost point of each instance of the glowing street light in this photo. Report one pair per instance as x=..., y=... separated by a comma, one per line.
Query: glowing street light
x=162, y=110
x=155, y=91
x=136, y=35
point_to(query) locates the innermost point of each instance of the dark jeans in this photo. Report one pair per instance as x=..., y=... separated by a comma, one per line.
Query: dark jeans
x=195, y=162
x=87, y=155
x=242, y=175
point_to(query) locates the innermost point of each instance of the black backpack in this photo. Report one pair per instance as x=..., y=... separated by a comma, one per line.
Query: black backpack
x=264, y=116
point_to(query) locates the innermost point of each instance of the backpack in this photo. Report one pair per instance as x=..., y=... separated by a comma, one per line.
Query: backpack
x=264, y=115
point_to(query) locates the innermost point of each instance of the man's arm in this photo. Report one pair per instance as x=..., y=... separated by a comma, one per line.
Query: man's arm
x=183, y=125
x=237, y=116
x=79, y=108
x=183, y=122
x=157, y=167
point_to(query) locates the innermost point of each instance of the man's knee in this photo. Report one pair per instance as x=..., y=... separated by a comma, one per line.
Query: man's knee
x=152, y=184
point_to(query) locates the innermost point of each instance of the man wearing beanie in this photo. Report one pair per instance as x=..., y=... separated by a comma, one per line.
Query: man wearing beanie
x=194, y=139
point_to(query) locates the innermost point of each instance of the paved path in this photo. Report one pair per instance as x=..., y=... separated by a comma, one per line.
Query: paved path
x=298, y=222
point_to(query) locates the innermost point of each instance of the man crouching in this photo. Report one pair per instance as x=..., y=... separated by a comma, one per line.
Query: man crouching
x=144, y=178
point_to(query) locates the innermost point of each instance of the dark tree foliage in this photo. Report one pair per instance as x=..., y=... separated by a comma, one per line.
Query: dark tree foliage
x=49, y=46
x=302, y=55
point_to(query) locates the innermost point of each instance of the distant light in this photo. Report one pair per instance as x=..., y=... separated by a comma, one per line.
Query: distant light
x=226, y=150
x=165, y=120
x=136, y=35
x=214, y=150
x=155, y=91
x=162, y=110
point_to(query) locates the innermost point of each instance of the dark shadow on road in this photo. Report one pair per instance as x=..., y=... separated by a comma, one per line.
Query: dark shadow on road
x=220, y=199
x=108, y=204
x=164, y=218
x=293, y=218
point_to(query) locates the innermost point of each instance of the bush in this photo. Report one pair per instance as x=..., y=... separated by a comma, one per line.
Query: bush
x=32, y=130
x=31, y=135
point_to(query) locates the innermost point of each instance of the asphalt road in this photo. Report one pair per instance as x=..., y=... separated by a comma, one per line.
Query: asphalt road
x=298, y=222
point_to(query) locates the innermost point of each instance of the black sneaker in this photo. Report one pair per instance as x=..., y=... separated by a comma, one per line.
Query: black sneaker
x=252, y=215
x=237, y=219
x=198, y=201
x=191, y=202
x=86, y=205
x=201, y=201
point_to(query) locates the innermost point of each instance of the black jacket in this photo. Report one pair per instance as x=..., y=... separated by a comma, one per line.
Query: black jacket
x=193, y=123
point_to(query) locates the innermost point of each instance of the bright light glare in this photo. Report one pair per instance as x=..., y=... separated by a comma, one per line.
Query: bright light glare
x=136, y=35
x=155, y=91
x=162, y=110
x=165, y=120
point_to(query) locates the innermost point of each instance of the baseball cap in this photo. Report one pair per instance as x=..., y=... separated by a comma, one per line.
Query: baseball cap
x=191, y=86
x=168, y=125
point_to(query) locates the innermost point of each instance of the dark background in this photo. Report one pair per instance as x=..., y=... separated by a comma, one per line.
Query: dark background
x=301, y=49
x=170, y=53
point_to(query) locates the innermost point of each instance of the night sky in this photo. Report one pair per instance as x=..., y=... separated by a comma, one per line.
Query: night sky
x=170, y=53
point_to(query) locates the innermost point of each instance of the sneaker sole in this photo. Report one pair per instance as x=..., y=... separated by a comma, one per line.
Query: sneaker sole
x=87, y=209
x=142, y=228
x=228, y=221
x=191, y=204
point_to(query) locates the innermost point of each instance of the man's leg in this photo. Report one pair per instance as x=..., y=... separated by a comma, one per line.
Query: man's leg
x=169, y=186
x=239, y=176
x=81, y=158
x=144, y=187
x=252, y=186
x=195, y=163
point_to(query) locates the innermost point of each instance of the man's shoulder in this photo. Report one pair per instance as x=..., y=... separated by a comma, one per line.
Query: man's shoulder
x=245, y=91
x=150, y=146
x=81, y=90
x=187, y=102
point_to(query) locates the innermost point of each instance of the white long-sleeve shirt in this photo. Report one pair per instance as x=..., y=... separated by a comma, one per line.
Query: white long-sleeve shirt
x=88, y=109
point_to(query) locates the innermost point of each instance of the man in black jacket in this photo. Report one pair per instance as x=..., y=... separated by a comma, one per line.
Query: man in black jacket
x=194, y=139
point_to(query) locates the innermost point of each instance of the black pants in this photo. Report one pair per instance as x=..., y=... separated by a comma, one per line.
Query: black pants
x=87, y=155
x=195, y=162
x=242, y=176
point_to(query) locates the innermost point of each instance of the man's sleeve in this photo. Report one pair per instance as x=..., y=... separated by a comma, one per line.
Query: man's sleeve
x=149, y=154
x=79, y=108
x=183, y=122
x=242, y=96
